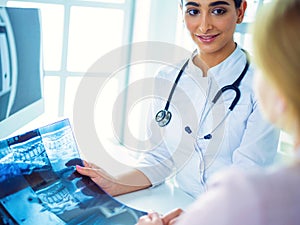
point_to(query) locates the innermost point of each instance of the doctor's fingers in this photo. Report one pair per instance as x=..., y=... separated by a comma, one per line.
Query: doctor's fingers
x=93, y=173
x=102, y=179
x=90, y=165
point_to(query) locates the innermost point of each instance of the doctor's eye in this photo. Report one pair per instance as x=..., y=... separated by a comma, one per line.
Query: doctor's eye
x=218, y=11
x=193, y=12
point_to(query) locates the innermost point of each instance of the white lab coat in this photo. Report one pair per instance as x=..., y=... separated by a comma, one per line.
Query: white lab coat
x=244, y=140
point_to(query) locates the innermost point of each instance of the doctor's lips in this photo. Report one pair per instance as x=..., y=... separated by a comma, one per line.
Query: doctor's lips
x=207, y=38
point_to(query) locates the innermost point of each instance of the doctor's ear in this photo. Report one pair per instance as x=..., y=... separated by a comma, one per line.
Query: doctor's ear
x=241, y=12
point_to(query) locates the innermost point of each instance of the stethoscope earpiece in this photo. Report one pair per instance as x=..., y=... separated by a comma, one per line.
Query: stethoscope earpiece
x=163, y=117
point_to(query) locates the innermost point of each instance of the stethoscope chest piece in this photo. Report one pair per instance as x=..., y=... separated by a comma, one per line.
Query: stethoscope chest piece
x=163, y=117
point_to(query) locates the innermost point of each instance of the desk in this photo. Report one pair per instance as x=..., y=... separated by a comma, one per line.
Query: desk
x=162, y=199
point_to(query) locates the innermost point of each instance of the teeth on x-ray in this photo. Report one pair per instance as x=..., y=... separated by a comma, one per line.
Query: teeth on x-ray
x=32, y=153
x=59, y=143
x=56, y=197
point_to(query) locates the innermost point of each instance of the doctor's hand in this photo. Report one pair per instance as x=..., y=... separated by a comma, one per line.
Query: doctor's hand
x=131, y=181
x=99, y=176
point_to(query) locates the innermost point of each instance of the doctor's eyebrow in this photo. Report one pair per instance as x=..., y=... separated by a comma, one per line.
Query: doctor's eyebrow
x=212, y=4
x=192, y=4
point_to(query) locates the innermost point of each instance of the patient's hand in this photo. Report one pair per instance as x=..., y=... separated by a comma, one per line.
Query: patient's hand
x=171, y=217
x=154, y=218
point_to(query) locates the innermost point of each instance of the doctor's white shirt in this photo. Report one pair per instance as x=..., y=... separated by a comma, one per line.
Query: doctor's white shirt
x=243, y=140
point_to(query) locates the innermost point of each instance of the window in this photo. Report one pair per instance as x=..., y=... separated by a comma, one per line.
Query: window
x=76, y=33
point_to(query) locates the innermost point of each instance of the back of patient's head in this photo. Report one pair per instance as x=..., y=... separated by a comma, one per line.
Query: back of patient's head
x=276, y=38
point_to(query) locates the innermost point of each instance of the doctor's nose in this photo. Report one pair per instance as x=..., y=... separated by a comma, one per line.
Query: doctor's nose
x=204, y=23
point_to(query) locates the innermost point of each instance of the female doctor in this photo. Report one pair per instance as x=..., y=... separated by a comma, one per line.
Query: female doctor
x=211, y=136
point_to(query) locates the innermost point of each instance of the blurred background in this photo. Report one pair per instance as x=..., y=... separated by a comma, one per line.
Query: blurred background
x=76, y=33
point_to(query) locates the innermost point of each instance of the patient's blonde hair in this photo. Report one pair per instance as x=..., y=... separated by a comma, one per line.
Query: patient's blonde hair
x=276, y=37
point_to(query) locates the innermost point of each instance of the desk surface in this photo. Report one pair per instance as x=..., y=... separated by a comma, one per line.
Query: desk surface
x=162, y=199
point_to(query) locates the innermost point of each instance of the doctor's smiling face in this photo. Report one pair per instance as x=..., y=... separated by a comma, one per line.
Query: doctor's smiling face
x=211, y=24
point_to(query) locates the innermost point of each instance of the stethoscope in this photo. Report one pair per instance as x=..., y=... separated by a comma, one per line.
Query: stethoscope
x=163, y=117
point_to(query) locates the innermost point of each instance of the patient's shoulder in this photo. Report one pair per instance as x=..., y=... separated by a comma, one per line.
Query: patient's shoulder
x=270, y=195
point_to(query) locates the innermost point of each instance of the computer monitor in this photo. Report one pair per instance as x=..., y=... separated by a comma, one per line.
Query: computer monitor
x=21, y=73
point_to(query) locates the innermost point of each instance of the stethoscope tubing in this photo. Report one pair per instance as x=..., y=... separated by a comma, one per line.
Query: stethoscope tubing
x=164, y=116
x=175, y=84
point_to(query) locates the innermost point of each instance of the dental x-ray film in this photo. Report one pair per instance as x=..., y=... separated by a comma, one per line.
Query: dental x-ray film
x=39, y=183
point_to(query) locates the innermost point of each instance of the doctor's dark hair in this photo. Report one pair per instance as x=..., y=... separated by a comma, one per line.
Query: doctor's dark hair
x=277, y=52
x=236, y=2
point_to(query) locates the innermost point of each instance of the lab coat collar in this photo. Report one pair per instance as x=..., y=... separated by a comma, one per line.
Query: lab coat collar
x=232, y=65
